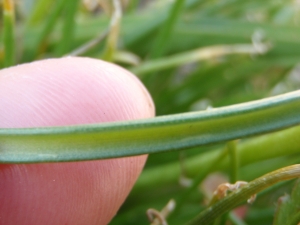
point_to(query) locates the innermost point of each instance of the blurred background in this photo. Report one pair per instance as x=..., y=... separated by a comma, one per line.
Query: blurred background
x=191, y=55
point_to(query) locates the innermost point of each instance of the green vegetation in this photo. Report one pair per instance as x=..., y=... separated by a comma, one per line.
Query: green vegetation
x=192, y=55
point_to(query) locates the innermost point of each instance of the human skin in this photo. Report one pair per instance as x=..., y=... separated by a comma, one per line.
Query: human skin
x=61, y=92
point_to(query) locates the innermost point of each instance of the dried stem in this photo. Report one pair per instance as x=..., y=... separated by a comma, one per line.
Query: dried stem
x=237, y=197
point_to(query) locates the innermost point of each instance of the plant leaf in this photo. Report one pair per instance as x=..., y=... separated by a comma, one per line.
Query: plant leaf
x=165, y=133
x=9, y=32
x=235, y=198
x=288, y=207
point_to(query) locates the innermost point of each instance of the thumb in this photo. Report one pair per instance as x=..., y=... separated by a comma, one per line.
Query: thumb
x=59, y=92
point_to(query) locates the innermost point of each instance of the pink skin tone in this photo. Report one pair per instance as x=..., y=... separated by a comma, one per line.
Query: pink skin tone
x=59, y=92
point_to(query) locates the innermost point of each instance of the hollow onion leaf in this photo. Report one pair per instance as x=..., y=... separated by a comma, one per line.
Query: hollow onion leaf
x=165, y=133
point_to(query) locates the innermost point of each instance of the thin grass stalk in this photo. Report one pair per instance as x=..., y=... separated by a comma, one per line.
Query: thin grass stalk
x=49, y=25
x=90, y=44
x=114, y=30
x=160, y=44
x=165, y=133
x=234, y=161
x=40, y=9
x=9, y=32
x=197, y=55
x=239, y=196
x=69, y=27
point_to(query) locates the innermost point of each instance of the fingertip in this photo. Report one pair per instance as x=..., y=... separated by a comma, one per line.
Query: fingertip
x=61, y=92
x=72, y=90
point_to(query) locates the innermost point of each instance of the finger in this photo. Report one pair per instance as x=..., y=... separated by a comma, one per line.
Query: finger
x=59, y=92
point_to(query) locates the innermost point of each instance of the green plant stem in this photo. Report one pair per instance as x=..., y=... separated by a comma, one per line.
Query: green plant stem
x=165, y=133
x=193, y=56
x=41, y=8
x=90, y=44
x=237, y=197
x=155, y=19
x=114, y=30
x=49, y=25
x=161, y=42
x=8, y=32
x=69, y=26
x=234, y=161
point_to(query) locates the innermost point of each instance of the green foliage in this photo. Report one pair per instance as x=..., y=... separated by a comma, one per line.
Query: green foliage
x=247, y=191
x=8, y=33
x=288, y=208
x=153, y=135
x=192, y=55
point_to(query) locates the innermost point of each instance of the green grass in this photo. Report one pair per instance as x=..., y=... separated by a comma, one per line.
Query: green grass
x=194, y=55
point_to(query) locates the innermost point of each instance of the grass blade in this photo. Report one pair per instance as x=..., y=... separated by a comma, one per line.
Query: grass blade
x=9, y=36
x=161, y=41
x=114, y=30
x=166, y=133
x=68, y=28
x=194, y=56
x=237, y=197
x=49, y=25
x=40, y=9
x=234, y=161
